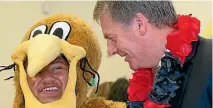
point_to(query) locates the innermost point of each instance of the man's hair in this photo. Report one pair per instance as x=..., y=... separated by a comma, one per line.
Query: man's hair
x=159, y=13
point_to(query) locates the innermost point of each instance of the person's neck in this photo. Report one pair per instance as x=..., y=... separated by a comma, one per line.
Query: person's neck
x=163, y=33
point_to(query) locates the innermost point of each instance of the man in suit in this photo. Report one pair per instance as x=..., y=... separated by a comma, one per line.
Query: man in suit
x=139, y=30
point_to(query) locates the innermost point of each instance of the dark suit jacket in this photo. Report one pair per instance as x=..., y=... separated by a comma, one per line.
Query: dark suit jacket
x=198, y=68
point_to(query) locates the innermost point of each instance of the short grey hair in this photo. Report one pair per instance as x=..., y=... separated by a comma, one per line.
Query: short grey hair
x=159, y=13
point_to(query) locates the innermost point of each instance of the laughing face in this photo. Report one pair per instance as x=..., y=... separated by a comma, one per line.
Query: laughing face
x=50, y=83
x=137, y=43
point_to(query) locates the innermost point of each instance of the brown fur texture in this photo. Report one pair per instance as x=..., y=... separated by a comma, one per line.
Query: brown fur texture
x=81, y=35
x=102, y=103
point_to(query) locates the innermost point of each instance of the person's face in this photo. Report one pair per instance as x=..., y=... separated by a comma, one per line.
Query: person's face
x=50, y=83
x=138, y=45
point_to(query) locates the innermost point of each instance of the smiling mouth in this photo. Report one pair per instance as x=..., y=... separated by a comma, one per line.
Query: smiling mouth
x=52, y=88
x=126, y=59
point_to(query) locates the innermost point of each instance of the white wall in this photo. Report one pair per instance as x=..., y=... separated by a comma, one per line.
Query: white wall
x=17, y=17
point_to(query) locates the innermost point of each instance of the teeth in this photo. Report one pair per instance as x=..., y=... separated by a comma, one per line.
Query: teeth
x=50, y=89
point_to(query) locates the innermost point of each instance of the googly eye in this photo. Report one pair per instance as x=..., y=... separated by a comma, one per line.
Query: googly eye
x=61, y=30
x=38, y=30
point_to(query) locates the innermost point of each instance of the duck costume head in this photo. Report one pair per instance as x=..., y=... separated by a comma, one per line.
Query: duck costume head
x=59, y=34
x=68, y=37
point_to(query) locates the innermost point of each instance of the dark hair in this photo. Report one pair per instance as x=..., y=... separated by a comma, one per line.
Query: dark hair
x=118, y=91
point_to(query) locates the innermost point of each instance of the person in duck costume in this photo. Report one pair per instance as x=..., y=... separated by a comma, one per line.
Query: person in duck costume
x=39, y=57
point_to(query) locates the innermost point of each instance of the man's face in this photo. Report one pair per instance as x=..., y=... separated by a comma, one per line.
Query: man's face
x=140, y=51
x=50, y=83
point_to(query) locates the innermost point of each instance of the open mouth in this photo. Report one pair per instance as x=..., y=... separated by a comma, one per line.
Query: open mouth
x=126, y=58
x=49, y=94
x=49, y=89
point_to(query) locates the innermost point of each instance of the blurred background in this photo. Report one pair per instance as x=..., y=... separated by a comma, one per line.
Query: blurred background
x=16, y=17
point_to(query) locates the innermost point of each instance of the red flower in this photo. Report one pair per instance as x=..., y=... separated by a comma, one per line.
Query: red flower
x=140, y=85
x=150, y=104
x=179, y=41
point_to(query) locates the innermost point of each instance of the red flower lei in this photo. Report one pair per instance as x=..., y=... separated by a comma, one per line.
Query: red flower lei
x=179, y=41
x=179, y=44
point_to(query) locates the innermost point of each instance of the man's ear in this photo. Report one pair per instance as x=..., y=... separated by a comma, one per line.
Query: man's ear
x=141, y=23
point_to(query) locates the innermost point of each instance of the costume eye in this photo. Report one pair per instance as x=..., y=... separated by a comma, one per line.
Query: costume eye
x=38, y=30
x=61, y=30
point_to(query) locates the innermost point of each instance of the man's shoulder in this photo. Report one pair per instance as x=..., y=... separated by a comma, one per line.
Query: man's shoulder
x=205, y=41
x=199, y=68
x=203, y=54
x=204, y=47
